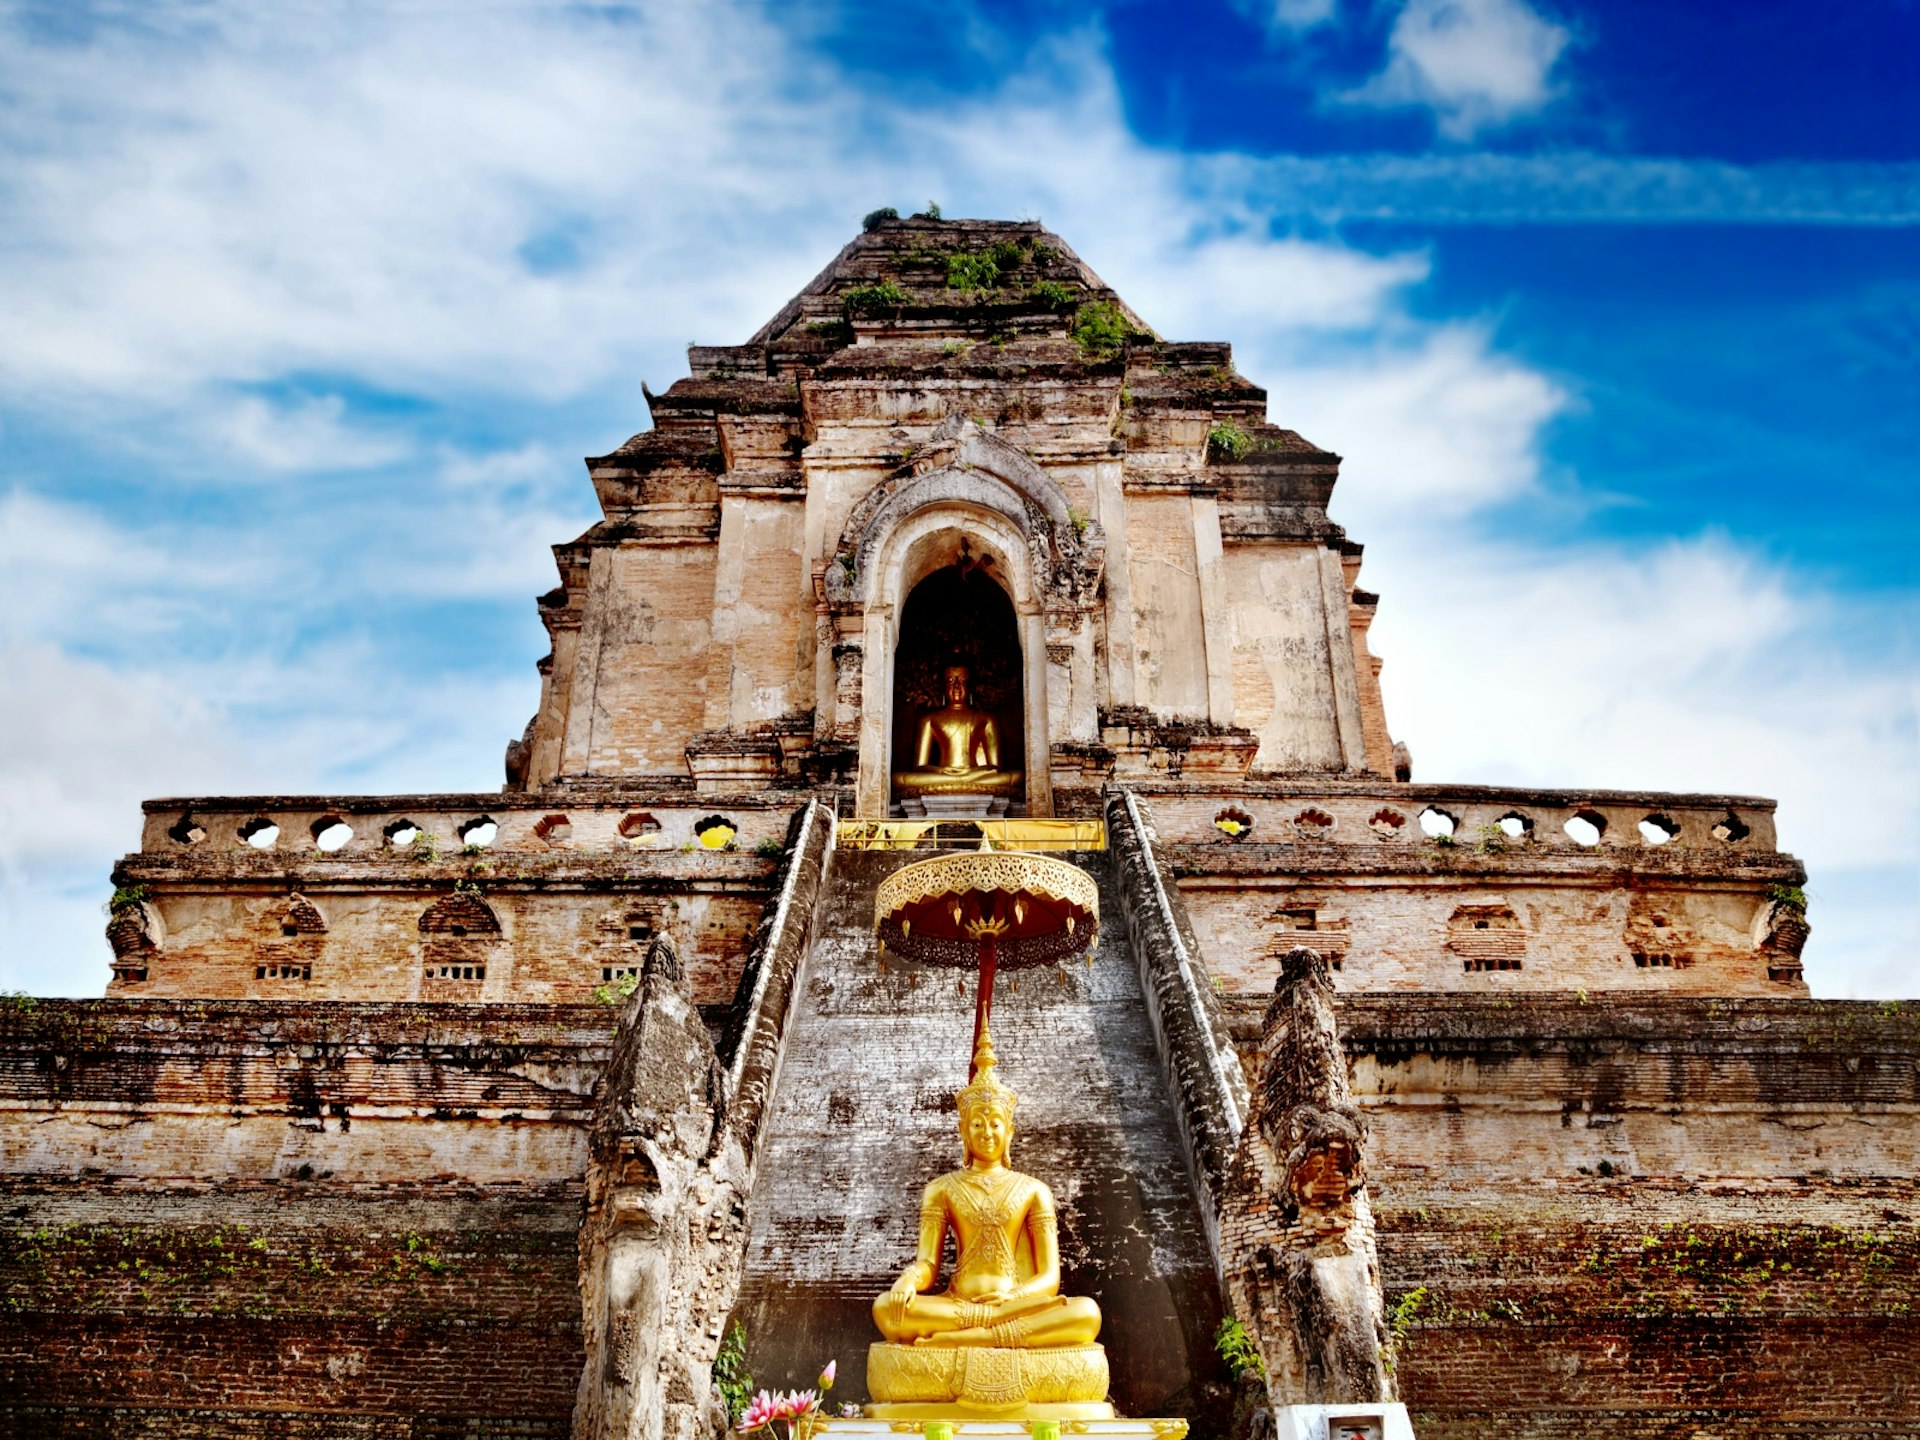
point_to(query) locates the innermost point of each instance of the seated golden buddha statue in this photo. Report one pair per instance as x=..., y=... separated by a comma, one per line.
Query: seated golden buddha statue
x=957, y=749
x=1001, y=1337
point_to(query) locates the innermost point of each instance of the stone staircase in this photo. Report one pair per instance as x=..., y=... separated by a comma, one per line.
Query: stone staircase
x=862, y=1116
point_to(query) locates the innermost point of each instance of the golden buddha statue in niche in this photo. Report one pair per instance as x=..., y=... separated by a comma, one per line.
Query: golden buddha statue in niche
x=1001, y=1336
x=957, y=749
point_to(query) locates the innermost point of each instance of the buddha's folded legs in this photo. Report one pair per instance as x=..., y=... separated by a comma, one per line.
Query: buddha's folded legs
x=1036, y=1322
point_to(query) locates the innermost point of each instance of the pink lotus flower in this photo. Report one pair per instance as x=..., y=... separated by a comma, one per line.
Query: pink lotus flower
x=796, y=1403
x=826, y=1375
x=759, y=1412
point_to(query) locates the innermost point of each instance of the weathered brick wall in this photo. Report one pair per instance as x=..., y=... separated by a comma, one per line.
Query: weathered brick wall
x=1346, y=870
x=560, y=901
x=221, y=1218
x=1633, y=1218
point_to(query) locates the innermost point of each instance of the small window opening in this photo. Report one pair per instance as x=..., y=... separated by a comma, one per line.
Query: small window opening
x=480, y=831
x=1585, y=827
x=456, y=972
x=260, y=832
x=1730, y=831
x=1387, y=823
x=330, y=833
x=1658, y=829
x=637, y=826
x=1438, y=824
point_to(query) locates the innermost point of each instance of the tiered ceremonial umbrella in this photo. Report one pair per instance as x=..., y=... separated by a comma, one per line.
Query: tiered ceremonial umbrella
x=988, y=911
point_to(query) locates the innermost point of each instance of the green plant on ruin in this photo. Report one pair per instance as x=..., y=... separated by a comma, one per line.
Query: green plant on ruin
x=932, y=212
x=466, y=885
x=1054, y=296
x=1788, y=897
x=873, y=299
x=830, y=329
x=1008, y=253
x=1100, y=331
x=770, y=848
x=874, y=219
x=126, y=897
x=1227, y=441
x=425, y=847
x=730, y=1374
x=1493, y=840
x=972, y=270
x=1235, y=1347
x=1079, y=519
x=1401, y=1316
x=18, y=1001
x=618, y=990
x=953, y=348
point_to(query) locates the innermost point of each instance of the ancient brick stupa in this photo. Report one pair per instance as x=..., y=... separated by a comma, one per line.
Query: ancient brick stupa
x=492, y=1114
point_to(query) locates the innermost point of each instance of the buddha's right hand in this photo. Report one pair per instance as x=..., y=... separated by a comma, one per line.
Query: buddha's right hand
x=900, y=1299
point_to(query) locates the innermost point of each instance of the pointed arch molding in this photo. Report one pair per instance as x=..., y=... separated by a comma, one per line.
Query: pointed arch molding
x=967, y=484
x=964, y=468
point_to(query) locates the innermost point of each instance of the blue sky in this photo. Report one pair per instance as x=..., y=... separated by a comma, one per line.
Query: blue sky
x=310, y=310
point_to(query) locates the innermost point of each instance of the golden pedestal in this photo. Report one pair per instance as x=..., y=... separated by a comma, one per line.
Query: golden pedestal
x=948, y=1382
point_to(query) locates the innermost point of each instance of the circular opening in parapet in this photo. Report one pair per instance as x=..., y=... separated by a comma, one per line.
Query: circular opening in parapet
x=639, y=828
x=1386, y=823
x=402, y=834
x=1730, y=831
x=1313, y=822
x=714, y=832
x=1438, y=824
x=330, y=833
x=186, y=831
x=259, y=832
x=1585, y=827
x=1233, y=822
x=1515, y=826
x=1658, y=829
x=479, y=832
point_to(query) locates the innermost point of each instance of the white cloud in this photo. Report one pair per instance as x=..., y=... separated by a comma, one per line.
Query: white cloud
x=1290, y=16
x=1476, y=64
x=1692, y=666
x=309, y=435
x=220, y=205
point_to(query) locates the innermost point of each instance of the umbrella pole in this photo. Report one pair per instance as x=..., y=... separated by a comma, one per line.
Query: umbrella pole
x=983, y=997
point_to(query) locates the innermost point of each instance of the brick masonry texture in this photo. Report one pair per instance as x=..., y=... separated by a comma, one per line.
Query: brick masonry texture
x=220, y=1217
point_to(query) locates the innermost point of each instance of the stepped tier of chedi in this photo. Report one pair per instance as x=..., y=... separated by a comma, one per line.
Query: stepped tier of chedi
x=496, y=1113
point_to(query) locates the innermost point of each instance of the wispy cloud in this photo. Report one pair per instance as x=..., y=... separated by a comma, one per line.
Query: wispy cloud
x=506, y=216
x=1482, y=188
x=1477, y=64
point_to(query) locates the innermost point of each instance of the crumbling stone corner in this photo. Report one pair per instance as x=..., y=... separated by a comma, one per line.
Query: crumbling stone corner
x=665, y=1229
x=1296, y=1228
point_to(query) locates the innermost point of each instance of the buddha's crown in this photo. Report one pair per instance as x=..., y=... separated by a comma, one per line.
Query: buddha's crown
x=984, y=1089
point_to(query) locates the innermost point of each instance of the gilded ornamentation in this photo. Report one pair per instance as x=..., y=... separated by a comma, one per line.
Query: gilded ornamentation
x=1001, y=1335
x=957, y=749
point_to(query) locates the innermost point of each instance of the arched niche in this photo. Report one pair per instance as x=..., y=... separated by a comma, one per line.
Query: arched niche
x=949, y=534
x=959, y=615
